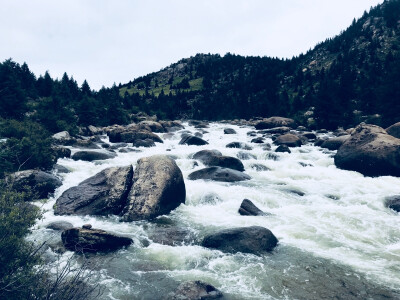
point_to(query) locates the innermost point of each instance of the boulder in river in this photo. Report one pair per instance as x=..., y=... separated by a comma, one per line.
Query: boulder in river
x=151, y=126
x=289, y=140
x=192, y=140
x=195, y=290
x=215, y=158
x=158, y=188
x=102, y=194
x=42, y=184
x=371, y=151
x=219, y=174
x=283, y=148
x=254, y=239
x=60, y=225
x=92, y=240
x=275, y=122
x=92, y=155
x=247, y=208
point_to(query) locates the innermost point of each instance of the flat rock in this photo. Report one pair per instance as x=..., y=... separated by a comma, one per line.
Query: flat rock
x=102, y=194
x=92, y=155
x=275, y=122
x=254, y=239
x=60, y=225
x=219, y=174
x=92, y=240
x=334, y=143
x=157, y=189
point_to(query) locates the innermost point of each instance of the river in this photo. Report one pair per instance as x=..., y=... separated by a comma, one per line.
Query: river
x=336, y=237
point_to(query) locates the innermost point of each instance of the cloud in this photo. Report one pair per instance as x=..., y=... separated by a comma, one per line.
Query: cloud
x=116, y=41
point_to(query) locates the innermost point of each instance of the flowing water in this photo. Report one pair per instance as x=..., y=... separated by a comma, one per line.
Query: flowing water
x=336, y=237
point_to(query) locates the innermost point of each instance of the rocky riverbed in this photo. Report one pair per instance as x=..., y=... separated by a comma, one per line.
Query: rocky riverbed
x=335, y=235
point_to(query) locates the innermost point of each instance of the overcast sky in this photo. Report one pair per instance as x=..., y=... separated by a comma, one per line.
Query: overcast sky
x=116, y=41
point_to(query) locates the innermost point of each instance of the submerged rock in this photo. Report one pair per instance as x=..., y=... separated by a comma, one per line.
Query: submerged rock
x=219, y=174
x=102, y=194
x=215, y=158
x=393, y=202
x=195, y=290
x=40, y=183
x=371, y=151
x=171, y=235
x=254, y=239
x=239, y=145
x=158, y=188
x=92, y=240
x=259, y=167
x=247, y=208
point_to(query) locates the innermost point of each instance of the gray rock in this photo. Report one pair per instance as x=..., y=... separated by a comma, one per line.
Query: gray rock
x=192, y=140
x=371, y=151
x=144, y=143
x=171, y=235
x=229, y=131
x=158, y=188
x=92, y=155
x=61, y=152
x=60, y=225
x=60, y=169
x=254, y=239
x=215, y=158
x=103, y=194
x=195, y=290
x=92, y=240
x=276, y=130
x=334, y=143
x=247, y=208
x=258, y=140
x=219, y=174
x=152, y=126
x=42, y=184
x=85, y=144
x=309, y=135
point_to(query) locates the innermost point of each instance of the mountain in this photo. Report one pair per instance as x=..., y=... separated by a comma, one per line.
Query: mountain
x=350, y=78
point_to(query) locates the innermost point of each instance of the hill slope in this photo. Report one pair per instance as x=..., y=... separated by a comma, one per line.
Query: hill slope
x=341, y=81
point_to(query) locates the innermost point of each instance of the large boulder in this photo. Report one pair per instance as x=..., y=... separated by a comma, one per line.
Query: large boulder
x=92, y=240
x=60, y=225
x=371, y=151
x=254, y=239
x=192, y=140
x=229, y=131
x=275, y=122
x=289, y=140
x=394, y=130
x=131, y=134
x=62, y=138
x=215, y=158
x=102, y=194
x=219, y=174
x=158, y=188
x=195, y=290
x=42, y=184
x=92, y=155
x=334, y=143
